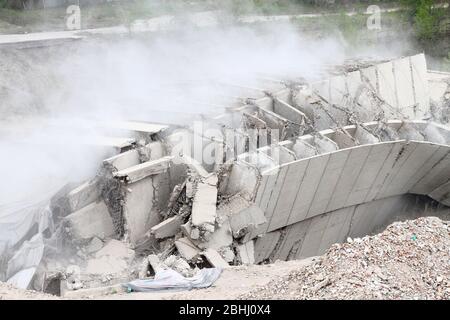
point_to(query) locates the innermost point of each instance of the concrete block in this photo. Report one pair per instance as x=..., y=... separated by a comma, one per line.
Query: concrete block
x=167, y=228
x=246, y=252
x=138, y=211
x=83, y=195
x=245, y=221
x=364, y=137
x=221, y=237
x=187, y=248
x=265, y=244
x=124, y=160
x=386, y=84
x=324, y=144
x=288, y=193
x=204, y=205
x=215, y=259
x=343, y=140
x=307, y=189
x=143, y=170
x=113, y=258
x=91, y=221
x=405, y=89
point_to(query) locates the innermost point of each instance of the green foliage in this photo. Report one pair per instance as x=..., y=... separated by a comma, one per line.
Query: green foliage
x=424, y=17
x=426, y=22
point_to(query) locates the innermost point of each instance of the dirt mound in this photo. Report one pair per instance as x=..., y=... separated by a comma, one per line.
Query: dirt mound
x=409, y=260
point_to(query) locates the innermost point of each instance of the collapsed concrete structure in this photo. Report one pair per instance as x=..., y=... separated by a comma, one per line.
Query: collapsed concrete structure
x=287, y=171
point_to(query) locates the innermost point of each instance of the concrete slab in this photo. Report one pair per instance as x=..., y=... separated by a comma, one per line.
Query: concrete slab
x=91, y=221
x=167, y=228
x=215, y=259
x=143, y=170
x=204, y=205
x=186, y=248
x=246, y=252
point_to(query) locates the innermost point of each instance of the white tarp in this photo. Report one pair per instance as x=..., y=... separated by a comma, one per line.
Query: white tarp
x=171, y=280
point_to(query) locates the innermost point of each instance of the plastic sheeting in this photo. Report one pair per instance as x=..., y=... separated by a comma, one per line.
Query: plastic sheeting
x=171, y=280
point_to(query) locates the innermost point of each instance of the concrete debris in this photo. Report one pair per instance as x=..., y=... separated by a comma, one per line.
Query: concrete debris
x=143, y=170
x=154, y=262
x=186, y=248
x=91, y=221
x=178, y=264
x=312, y=164
x=246, y=252
x=167, y=228
x=215, y=259
x=409, y=260
x=204, y=206
x=83, y=195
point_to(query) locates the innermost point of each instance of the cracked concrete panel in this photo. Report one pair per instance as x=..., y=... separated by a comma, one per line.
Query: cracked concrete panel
x=303, y=149
x=369, y=77
x=215, y=259
x=204, y=205
x=246, y=252
x=265, y=244
x=311, y=243
x=405, y=88
x=420, y=83
x=403, y=156
x=295, y=233
x=124, y=160
x=83, y=195
x=220, y=238
x=354, y=83
x=324, y=144
x=435, y=177
x=364, y=137
x=442, y=193
x=332, y=173
x=143, y=170
x=375, y=160
x=337, y=228
x=338, y=90
x=386, y=83
x=242, y=179
x=421, y=155
x=385, y=170
x=435, y=158
x=246, y=221
x=187, y=248
x=343, y=140
x=293, y=179
x=354, y=164
x=167, y=228
x=270, y=212
x=308, y=188
x=138, y=209
x=91, y=221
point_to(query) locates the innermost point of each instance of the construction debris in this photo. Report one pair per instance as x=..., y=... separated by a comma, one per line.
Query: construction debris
x=409, y=260
x=291, y=170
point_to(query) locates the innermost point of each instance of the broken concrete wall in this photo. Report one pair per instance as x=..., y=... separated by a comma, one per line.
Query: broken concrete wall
x=313, y=236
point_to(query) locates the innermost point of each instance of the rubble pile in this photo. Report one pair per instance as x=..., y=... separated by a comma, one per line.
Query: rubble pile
x=305, y=166
x=409, y=260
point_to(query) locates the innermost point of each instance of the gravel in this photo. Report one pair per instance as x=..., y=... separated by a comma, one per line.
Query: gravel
x=409, y=260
